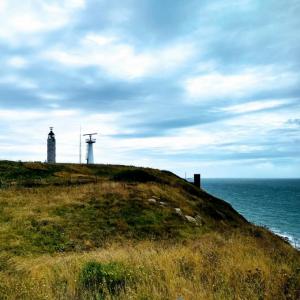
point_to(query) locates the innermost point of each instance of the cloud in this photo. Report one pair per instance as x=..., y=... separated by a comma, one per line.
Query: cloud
x=243, y=84
x=255, y=106
x=118, y=58
x=18, y=81
x=17, y=62
x=19, y=20
x=294, y=122
x=13, y=115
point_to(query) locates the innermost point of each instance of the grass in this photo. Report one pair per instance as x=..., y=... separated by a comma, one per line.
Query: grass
x=104, y=278
x=58, y=222
x=212, y=267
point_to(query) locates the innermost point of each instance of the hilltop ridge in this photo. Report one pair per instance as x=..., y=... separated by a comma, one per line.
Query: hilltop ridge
x=110, y=202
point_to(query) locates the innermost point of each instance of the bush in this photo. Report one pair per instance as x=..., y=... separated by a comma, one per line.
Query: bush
x=136, y=176
x=101, y=277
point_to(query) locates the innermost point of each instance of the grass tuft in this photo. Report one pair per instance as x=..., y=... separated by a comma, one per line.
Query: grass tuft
x=103, y=278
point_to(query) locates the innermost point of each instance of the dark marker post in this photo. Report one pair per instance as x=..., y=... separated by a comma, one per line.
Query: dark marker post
x=197, y=180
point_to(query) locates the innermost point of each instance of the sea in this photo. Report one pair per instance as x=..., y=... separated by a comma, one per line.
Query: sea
x=273, y=203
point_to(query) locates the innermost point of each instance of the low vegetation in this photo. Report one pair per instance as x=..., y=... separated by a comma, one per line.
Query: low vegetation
x=119, y=232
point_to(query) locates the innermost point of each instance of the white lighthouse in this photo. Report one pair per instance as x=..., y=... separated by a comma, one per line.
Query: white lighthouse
x=90, y=153
x=51, y=147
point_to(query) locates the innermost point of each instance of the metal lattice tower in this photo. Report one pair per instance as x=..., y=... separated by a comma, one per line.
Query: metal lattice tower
x=51, y=147
x=90, y=153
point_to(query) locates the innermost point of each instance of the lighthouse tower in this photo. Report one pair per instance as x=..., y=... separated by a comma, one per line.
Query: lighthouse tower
x=51, y=147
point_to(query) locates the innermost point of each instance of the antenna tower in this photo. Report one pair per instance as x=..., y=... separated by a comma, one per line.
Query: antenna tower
x=80, y=146
x=90, y=153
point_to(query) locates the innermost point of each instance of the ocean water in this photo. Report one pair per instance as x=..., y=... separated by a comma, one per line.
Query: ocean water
x=274, y=203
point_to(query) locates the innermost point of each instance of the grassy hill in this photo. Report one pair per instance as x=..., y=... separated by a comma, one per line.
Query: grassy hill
x=120, y=232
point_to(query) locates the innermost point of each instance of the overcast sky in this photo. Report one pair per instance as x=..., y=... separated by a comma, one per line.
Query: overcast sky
x=190, y=86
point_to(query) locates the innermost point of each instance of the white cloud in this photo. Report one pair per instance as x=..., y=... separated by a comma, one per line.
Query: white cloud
x=254, y=106
x=99, y=40
x=20, y=19
x=17, y=62
x=14, y=115
x=18, y=81
x=215, y=85
x=50, y=96
x=118, y=58
x=170, y=144
x=2, y=5
x=260, y=122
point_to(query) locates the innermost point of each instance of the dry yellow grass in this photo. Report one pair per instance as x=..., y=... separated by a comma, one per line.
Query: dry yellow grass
x=209, y=268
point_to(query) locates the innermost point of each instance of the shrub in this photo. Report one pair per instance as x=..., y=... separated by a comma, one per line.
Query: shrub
x=101, y=277
x=136, y=176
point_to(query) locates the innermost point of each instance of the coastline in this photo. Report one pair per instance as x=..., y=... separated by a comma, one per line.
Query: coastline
x=269, y=203
x=293, y=241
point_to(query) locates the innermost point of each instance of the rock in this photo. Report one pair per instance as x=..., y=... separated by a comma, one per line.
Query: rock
x=155, y=197
x=191, y=219
x=151, y=200
x=178, y=211
x=162, y=203
x=199, y=220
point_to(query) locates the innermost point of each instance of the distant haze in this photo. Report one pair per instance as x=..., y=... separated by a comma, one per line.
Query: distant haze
x=211, y=87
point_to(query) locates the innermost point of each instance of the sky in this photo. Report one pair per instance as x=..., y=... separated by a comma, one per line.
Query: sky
x=210, y=87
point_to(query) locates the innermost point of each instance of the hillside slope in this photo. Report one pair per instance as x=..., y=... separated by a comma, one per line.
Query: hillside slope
x=69, y=210
x=64, y=207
